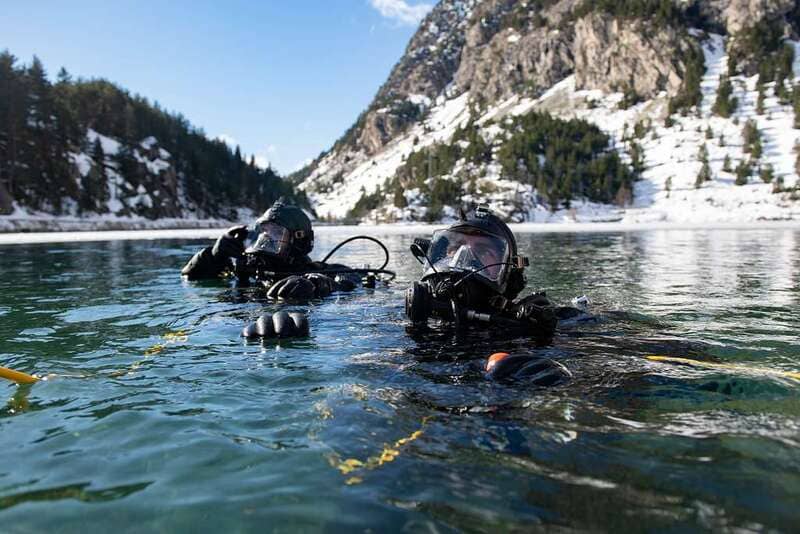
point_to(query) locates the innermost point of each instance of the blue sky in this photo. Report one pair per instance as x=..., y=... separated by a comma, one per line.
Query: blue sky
x=281, y=78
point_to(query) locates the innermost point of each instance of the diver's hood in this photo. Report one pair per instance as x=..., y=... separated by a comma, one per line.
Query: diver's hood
x=300, y=237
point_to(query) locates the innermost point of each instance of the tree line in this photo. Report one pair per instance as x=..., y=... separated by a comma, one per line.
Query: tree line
x=45, y=129
x=564, y=160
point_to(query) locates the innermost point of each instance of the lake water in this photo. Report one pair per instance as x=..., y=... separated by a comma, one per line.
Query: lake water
x=162, y=419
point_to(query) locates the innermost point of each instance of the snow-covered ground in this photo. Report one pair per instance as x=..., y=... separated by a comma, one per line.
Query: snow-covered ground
x=666, y=193
x=26, y=222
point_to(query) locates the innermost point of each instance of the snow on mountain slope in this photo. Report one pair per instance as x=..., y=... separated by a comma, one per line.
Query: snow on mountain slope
x=667, y=190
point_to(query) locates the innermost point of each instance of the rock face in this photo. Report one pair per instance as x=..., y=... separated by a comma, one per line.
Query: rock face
x=511, y=63
x=736, y=15
x=422, y=73
x=612, y=55
x=493, y=50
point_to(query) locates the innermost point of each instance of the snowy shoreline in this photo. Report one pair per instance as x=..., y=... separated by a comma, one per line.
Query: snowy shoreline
x=40, y=223
x=19, y=238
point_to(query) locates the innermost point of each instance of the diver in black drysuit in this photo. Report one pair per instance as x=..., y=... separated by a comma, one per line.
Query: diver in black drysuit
x=277, y=258
x=472, y=275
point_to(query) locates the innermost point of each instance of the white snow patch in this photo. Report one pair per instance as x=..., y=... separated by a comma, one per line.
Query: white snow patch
x=110, y=146
x=82, y=162
x=148, y=142
x=420, y=100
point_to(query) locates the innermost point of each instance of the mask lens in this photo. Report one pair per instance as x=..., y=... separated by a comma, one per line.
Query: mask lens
x=453, y=250
x=272, y=239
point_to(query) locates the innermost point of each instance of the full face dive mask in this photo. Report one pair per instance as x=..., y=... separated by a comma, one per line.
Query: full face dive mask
x=272, y=249
x=466, y=273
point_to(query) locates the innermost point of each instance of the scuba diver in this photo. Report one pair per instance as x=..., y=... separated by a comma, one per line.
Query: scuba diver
x=277, y=259
x=472, y=275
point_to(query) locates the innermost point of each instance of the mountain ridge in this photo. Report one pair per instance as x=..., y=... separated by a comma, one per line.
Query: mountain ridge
x=644, y=55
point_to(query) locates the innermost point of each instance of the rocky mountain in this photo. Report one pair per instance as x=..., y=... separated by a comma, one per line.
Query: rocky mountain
x=89, y=149
x=579, y=110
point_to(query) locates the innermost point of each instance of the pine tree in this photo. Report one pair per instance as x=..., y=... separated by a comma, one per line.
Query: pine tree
x=761, y=96
x=709, y=133
x=48, y=168
x=752, y=139
x=399, y=197
x=796, y=105
x=725, y=104
x=767, y=173
x=702, y=153
x=757, y=149
x=95, y=193
x=637, y=157
x=11, y=117
x=702, y=176
x=705, y=169
x=64, y=77
x=668, y=185
x=743, y=171
x=726, y=164
x=777, y=185
x=541, y=189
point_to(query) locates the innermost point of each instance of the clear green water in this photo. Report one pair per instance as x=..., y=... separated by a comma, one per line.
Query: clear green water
x=206, y=433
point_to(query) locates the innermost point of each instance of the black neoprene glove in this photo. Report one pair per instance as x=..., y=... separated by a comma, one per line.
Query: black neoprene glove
x=230, y=244
x=305, y=287
x=278, y=325
x=539, y=313
x=531, y=369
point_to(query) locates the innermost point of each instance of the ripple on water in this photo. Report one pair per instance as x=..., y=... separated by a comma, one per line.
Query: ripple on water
x=102, y=312
x=367, y=424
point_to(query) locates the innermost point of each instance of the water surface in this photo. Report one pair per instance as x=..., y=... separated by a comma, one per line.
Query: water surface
x=162, y=418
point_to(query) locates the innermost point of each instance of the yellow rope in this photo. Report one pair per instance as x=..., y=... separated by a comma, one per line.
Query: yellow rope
x=726, y=367
x=17, y=376
x=389, y=453
x=170, y=337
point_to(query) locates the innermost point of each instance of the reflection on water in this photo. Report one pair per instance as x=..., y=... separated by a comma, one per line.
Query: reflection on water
x=161, y=412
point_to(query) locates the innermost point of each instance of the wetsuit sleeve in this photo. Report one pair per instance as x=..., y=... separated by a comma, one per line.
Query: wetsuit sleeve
x=213, y=261
x=204, y=265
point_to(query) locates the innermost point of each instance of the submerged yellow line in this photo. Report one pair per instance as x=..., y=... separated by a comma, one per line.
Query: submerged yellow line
x=389, y=453
x=726, y=367
x=170, y=337
x=17, y=376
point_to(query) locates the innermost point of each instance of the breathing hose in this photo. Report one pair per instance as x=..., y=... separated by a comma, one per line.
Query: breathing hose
x=361, y=270
x=356, y=238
